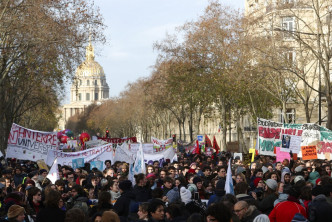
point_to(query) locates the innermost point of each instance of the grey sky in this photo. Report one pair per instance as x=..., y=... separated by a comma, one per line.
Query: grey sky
x=133, y=27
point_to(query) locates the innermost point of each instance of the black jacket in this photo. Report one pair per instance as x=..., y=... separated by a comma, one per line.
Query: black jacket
x=122, y=205
x=143, y=194
x=48, y=214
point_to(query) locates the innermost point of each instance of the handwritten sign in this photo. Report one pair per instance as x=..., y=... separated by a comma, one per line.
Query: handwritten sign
x=309, y=152
x=253, y=152
x=281, y=155
x=78, y=163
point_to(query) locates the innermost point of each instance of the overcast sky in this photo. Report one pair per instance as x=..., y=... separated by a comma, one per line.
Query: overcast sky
x=132, y=28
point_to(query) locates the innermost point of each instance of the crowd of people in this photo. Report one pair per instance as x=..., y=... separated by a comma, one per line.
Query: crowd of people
x=191, y=189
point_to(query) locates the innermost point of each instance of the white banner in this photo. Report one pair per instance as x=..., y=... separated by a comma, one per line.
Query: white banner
x=147, y=148
x=161, y=157
x=160, y=145
x=139, y=166
x=101, y=153
x=27, y=144
x=122, y=153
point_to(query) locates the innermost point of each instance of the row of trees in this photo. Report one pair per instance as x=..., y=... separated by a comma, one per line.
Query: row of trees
x=40, y=43
x=225, y=67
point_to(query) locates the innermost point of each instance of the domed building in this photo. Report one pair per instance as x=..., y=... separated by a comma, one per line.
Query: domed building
x=89, y=86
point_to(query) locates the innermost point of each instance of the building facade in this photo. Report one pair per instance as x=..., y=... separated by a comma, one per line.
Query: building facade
x=89, y=86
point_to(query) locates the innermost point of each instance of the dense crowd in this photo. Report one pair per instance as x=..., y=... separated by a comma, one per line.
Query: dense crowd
x=191, y=189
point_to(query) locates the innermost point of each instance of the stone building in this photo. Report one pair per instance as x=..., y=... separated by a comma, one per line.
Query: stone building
x=89, y=86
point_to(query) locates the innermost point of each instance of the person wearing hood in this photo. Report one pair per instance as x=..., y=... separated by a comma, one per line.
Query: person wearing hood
x=245, y=212
x=313, y=176
x=122, y=205
x=319, y=208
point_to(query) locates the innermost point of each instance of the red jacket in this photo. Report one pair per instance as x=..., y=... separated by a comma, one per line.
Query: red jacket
x=285, y=211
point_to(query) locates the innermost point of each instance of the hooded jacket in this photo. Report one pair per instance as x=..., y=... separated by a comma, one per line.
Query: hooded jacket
x=320, y=209
x=285, y=211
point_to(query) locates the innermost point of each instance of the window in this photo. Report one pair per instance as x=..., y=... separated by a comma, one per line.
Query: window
x=290, y=114
x=96, y=83
x=88, y=82
x=96, y=95
x=102, y=82
x=80, y=97
x=288, y=1
x=290, y=57
x=87, y=96
x=80, y=82
x=288, y=26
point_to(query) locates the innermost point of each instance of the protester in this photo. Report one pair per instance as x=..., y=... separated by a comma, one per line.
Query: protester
x=52, y=211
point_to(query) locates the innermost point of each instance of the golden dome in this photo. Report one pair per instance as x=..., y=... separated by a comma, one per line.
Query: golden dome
x=90, y=67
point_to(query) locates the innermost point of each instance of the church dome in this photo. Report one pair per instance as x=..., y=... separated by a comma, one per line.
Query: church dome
x=90, y=68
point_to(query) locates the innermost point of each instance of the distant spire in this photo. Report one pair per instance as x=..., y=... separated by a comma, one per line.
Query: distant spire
x=90, y=55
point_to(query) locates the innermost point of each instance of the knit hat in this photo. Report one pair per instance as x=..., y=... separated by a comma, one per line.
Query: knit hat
x=262, y=218
x=286, y=169
x=256, y=181
x=125, y=185
x=173, y=195
x=31, y=182
x=14, y=211
x=298, y=169
x=313, y=176
x=192, y=188
x=240, y=170
x=317, y=181
x=272, y=184
x=196, y=180
x=185, y=195
x=298, y=178
x=265, y=169
x=151, y=175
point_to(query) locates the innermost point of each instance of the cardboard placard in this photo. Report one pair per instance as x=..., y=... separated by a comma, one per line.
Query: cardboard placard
x=309, y=152
x=281, y=155
x=253, y=152
x=42, y=165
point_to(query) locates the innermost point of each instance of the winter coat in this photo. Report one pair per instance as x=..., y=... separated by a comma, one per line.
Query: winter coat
x=122, y=205
x=101, y=209
x=250, y=215
x=266, y=204
x=143, y=194
x=320, y=209
x=51, y=215
x=80, y=202
x=285, y=211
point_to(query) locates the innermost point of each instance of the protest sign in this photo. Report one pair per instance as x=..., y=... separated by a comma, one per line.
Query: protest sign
x=122, y=153
x=253, y=153
x=97, y=164
x=160, y=156
x=147, y=148
x=309, y=152
x=239, y=155
x=78, y=163
x=282, y=155
x=160, y=145
x=42, y=165
x=27, y=144
x=119, y=140
x=270, y=135
x=139, y=166
x=208, y=151
x=200, y=138
x=246, y=158
x=101, y=153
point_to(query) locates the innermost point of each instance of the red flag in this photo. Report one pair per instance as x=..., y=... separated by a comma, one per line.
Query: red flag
x=197, y=149
x=215, y=145
x=207, y=141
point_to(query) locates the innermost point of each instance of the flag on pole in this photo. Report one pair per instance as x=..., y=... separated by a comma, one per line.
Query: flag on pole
x=53, y=175
x=197, y=150
x=229, y=181
x=207, y=141
x=215, y=145
x=139, y=166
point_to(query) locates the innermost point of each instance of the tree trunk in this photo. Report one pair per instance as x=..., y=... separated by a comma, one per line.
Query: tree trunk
x=224, y=124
